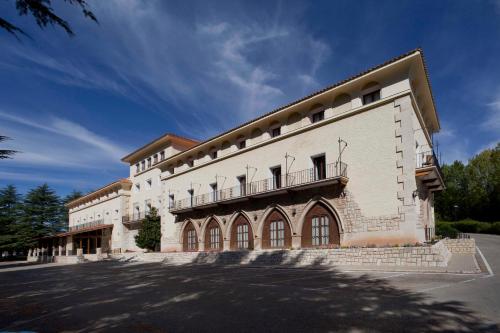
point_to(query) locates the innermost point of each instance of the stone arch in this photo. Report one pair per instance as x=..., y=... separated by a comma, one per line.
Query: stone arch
x=188, y=226
x=237, y=220
x=321, y=214
x=232, y=218
x=342, y=103
x=293, y=121
x=271, y=214
x=332, y=210
x=370, y=86
x=211, y=223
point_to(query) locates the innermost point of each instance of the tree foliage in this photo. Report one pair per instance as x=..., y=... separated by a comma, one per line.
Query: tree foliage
x=6, y=153
x=22, y=220
x=472, y=190
x=149, y=236
x=43, y=13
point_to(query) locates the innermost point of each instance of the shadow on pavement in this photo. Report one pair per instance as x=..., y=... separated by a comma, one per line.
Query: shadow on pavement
x=146, y=297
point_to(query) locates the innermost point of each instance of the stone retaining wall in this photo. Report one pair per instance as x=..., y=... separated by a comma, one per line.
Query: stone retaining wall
x=436, y=255
x=466, y=245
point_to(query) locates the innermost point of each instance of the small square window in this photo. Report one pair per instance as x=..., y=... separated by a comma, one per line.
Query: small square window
x=371, y=97
x=213, y=154
x=276, y=132
x=143, y=165
x=190, y=163
x=318, y=116
x=242, y=144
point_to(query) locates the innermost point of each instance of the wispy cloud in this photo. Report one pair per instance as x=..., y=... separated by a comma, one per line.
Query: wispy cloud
x=492, y=120
x=53, y=141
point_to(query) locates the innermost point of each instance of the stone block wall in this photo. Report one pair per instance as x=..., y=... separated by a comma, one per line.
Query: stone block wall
x=436, y=255
x=460, y=245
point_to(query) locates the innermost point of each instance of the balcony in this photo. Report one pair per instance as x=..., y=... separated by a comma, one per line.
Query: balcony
x=135, y=218
x=428, y=170
x=87, y=225
x=334, y=173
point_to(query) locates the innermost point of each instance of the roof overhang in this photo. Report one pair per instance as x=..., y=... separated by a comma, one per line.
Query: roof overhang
x=157, y=144
x=116, y=185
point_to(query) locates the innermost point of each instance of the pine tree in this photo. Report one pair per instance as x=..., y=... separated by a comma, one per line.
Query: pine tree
x=42, y=211
x=10, y=214
x=149, y=236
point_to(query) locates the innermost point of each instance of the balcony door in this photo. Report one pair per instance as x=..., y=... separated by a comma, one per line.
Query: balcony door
x=319, y=163
x=276, y=172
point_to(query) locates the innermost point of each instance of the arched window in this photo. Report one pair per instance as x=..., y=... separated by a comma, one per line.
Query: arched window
x=213, y=236
x=190, y=238
x=241, y=234
x=320, y=228
x=276, y=232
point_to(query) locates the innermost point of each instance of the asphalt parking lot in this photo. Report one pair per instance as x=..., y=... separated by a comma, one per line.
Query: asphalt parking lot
x=140, y=297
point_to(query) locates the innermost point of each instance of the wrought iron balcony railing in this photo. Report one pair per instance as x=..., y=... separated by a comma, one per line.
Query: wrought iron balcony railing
x=136, y=217
x=428, y=159
x=86, y=225
x=286, y=181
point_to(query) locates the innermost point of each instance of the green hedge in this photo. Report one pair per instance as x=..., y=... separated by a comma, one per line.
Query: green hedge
x=448, y=229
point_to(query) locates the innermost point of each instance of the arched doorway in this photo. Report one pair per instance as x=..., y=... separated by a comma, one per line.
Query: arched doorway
x=213, y=236
x=276, y=233
x=241, y=234
x=190, y=238
x=320, y=228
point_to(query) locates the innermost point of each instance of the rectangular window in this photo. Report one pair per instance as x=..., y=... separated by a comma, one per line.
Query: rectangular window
x=143, y=165
x=137, y=187
x=162, y=155
x=325, y=231
x=276, y=177
x=155, y=158
x=242, y=180
x=213, y=154
x=320, y=230
x=242, y=144
x=190, y=163
x=149, y=162
x=319, y=167
x=191, y=240
x=214, y=191
x=242, y=236
x=277, y=234
x=191, y=196
x=215, y=238
x=137, y=168
x=171, y=200
x=276, y=132
x=371, y=97
x=149, y=184
x=318, y=116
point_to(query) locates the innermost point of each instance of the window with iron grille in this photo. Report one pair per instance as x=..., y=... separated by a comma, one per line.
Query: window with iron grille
x=191, y=239
x=242, y=236
x=214, y=238
x=320, y=230
x=277, y=233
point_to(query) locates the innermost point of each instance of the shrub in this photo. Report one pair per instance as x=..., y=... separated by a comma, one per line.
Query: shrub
x=446, y=229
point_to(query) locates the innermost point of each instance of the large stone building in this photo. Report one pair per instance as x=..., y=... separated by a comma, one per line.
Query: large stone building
x=351, y=164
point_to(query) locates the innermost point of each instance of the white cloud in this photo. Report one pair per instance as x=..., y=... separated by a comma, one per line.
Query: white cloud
x=53, y=141
x=492, y=121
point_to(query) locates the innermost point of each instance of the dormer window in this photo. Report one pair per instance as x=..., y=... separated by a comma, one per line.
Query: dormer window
x=276, y=132
x=371, y=97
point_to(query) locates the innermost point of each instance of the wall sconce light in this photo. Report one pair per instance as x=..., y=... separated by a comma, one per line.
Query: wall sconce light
x=294, y=212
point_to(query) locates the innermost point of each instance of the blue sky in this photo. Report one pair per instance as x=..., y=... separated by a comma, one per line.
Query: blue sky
x=75, y=106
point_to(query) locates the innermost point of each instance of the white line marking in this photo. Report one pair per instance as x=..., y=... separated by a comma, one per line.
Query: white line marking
x=490, y=271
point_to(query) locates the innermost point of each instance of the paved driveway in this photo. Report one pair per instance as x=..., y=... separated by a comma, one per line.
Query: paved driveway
x=121, y=297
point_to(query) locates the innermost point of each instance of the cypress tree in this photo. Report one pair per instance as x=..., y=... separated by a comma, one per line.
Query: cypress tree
x=149, y=236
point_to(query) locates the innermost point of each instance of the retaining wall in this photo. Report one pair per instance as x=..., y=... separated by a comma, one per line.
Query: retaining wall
x=436, y=255
x=463, y=246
